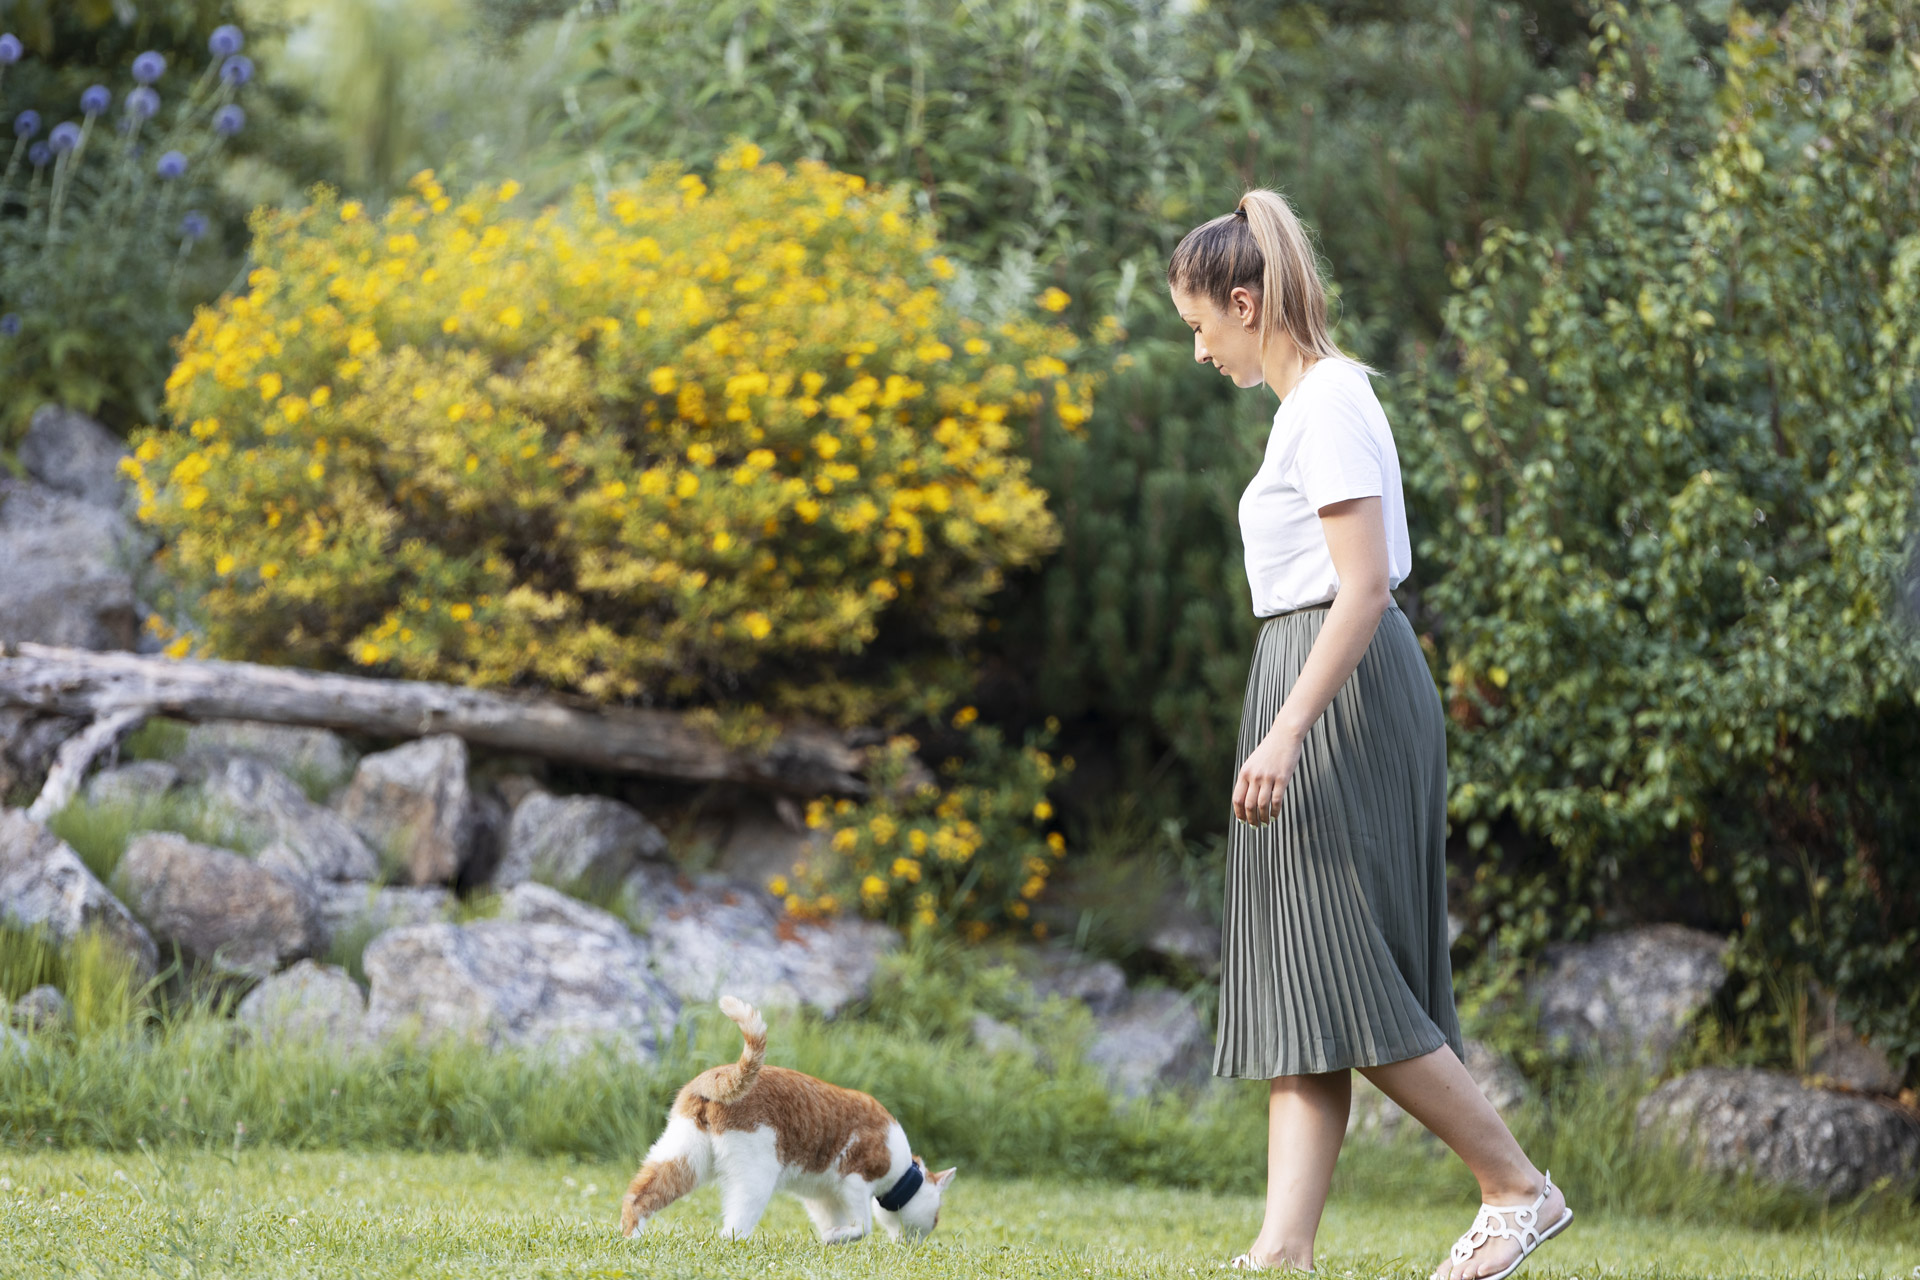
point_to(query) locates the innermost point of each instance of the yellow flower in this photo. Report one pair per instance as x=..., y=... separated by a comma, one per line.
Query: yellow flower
x=906, y=869
x=1055, y=299
x=269, y=571
x=1056, y=842
x=845, y=839
x=662, y=380
x=777, y=886
x=350, y=211
x=1043, y=811
x=965, y=716
x=460, y=612
x=179, y=648
x=758, y=627
x=269, y=386
x=224, y=565
x=510, y=317
x=1018, y=910
x=508, y=190
x=873, y=887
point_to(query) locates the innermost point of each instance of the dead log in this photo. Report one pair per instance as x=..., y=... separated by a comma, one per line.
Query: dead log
x=660, y=744
x=77, y=753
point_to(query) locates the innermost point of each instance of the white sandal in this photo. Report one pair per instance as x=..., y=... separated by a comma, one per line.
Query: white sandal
x=1492, y=1223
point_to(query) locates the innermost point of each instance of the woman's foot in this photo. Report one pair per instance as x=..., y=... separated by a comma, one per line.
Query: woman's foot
x=1507, y=1229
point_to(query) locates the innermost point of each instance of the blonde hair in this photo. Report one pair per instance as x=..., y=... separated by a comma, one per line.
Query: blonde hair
x=1261, y=247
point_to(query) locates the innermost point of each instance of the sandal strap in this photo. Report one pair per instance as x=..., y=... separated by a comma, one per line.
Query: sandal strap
x=1492, y=1223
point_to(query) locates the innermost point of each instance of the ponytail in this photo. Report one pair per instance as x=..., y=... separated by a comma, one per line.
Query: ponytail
x=1261, y=247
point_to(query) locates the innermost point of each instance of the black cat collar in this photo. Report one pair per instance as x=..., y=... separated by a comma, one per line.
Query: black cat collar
x=902, y=1191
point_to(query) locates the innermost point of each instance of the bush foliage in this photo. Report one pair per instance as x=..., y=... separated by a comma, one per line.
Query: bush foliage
x=969, y=857
x=1670, y=493
x=688, y=442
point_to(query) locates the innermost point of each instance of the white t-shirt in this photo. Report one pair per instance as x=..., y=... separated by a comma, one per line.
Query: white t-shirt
x=1330, y=442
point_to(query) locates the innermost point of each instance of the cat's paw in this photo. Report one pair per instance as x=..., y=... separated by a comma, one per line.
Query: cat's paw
x=843, y=1235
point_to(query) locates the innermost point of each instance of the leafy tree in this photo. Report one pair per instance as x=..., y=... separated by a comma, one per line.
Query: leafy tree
x=1670, y=494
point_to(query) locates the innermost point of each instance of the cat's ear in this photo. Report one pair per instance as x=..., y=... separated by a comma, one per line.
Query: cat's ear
x=942, y=1178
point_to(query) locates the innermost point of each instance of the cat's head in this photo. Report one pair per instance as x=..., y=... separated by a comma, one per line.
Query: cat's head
x=921, y=1214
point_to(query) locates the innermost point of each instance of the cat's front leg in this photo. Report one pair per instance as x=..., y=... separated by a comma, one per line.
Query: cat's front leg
x=854, y=1216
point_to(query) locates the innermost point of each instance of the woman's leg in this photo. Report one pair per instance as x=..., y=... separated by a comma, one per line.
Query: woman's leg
x=1436, y=1090
x=1306, y=1119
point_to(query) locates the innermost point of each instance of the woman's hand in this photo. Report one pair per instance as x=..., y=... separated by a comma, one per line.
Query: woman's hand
x=1263, y=778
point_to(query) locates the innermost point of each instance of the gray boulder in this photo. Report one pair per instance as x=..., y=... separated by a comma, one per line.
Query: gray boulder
x=72, y=454
x=65, y=574
x=715, y=938
x=307, y=840
x=369, y=909
x=1840, y=1056
x=538, y=904
x=44, y=884
x=132, y=785
x=42, y=1008
x=1184, y=935
x=1499, y=1080
x=570, y=839
x=1098, y=984
x=317, y=756
x=1153, y=1040
x=502, y=983
x=1768, y=1124
x=414, y=803
x=1628, y=996
x=220, y=909
x=996, y=1036
x=314, y=1004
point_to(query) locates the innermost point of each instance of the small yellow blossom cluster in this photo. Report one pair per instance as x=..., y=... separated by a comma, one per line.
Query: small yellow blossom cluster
x=645, y=445
x=970, y=857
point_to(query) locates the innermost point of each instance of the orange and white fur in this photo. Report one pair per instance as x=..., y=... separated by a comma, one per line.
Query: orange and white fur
x=756, y=1129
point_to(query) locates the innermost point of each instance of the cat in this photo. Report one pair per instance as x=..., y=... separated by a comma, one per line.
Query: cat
x=755, y=1129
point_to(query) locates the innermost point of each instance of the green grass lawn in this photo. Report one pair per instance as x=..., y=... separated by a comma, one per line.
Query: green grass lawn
x=278, y=1214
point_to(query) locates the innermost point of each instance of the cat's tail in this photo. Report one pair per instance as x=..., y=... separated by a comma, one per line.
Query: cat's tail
x=732, y=1083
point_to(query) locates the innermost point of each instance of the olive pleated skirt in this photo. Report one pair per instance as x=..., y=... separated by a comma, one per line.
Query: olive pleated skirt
x=1334, y=937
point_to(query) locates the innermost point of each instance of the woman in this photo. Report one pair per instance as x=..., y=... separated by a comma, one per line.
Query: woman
x=1334, y=954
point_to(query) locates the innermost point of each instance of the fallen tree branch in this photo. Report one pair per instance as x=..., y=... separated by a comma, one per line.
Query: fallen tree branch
x=661, y=744
x=76, y=753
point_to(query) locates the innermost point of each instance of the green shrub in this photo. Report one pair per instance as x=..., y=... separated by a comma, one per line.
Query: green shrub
x=1669, y=501
x=688, y=444
x=968, y=856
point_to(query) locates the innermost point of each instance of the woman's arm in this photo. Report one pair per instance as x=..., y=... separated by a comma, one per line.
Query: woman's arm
x=1357, y=540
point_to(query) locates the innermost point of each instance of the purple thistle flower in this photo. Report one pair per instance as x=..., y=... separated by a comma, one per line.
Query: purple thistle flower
x=65, y=136
x=38, y=154
x=143, y=103
x=9, y=324
x=194, y=224
x=10, y=48
x=225, y=40
x=229, y=120
x=26, y=124
x=95, y=100
x=149, y=66
x=171, y=165
x=237, y=70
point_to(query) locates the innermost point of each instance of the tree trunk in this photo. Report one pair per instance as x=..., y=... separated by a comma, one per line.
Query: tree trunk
x=661, y=744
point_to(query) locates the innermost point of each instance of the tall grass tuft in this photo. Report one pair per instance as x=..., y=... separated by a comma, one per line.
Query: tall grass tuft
x=100, y=833
x=103, y=992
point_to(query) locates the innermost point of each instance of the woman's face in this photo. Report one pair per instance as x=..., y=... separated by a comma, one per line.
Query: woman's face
x=1228, y=340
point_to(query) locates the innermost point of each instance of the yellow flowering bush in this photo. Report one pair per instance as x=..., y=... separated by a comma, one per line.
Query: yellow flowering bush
x=969, y=856
x=682, y=442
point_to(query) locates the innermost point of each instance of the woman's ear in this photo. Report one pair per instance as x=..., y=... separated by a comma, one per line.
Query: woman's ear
x=1246, y=308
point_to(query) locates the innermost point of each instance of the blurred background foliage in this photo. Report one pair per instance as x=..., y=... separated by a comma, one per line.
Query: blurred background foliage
x=1675, y=711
